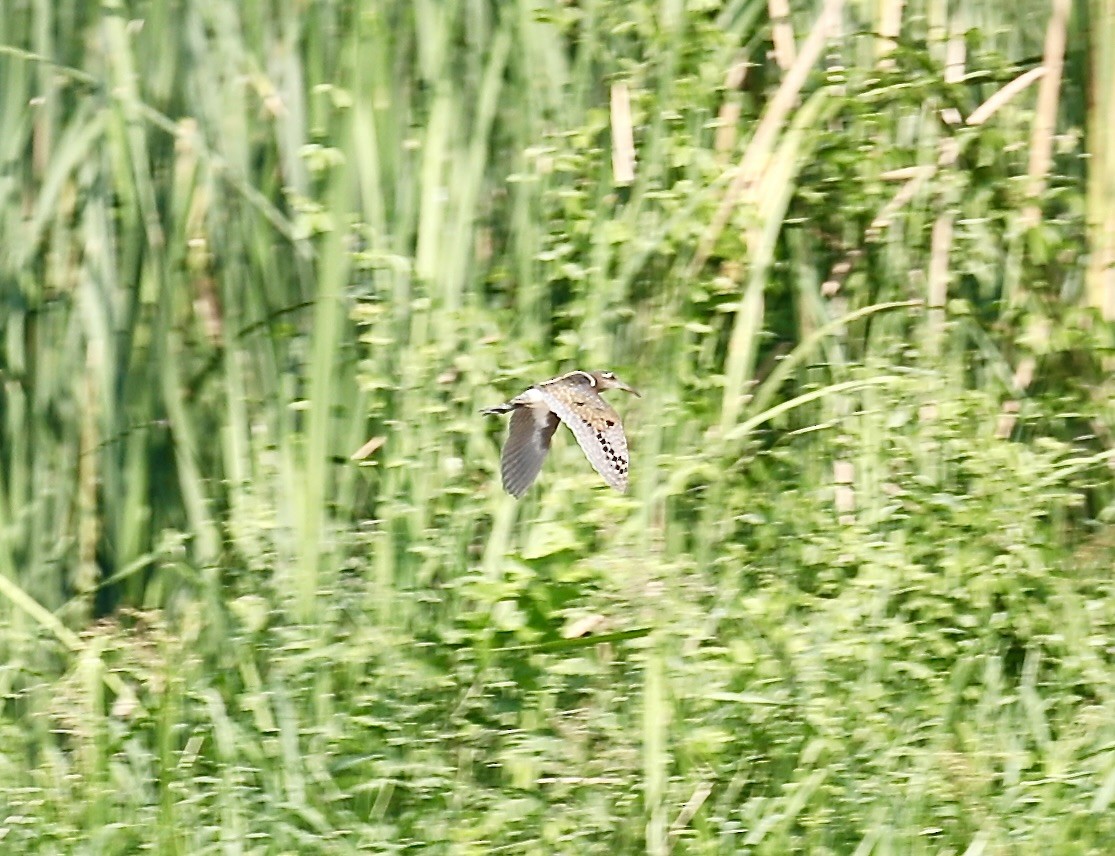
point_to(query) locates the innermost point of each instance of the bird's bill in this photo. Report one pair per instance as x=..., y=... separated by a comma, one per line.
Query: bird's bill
x=621, y=385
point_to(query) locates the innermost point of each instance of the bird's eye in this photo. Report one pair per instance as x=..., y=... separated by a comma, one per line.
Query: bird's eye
x=608, y=375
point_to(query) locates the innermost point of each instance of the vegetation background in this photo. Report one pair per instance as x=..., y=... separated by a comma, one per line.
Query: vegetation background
x=860, y=259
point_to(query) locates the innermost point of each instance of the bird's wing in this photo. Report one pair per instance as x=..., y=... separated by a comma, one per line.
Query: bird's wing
x=528, y=441
x=596, y=426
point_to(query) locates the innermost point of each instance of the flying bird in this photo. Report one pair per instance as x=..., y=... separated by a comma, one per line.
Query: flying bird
x=574, y=399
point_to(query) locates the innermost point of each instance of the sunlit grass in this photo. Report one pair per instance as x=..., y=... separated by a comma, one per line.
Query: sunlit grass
x=859, y=597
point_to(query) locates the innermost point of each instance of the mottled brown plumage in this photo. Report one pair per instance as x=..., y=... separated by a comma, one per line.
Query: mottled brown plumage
x=574, y=399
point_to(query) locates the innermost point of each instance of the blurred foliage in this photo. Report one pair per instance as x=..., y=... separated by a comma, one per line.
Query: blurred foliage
x=859, y=598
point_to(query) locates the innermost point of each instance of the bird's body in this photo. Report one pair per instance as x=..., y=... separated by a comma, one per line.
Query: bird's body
x=574, y=399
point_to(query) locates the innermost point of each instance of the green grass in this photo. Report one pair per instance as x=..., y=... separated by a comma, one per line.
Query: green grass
x=859, y=598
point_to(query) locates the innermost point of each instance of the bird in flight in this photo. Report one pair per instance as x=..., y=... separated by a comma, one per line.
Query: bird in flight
x=574, y=399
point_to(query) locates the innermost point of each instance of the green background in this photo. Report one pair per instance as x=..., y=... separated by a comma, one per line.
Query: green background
x=858, y=598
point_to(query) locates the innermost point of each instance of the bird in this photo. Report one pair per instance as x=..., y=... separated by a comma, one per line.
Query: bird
x=574, y=399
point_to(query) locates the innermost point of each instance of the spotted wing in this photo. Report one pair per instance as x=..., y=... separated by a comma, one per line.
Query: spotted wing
x=528, y=441
x=596, y=426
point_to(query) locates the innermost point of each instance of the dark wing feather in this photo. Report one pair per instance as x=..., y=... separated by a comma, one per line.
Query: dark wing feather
x=528, y=441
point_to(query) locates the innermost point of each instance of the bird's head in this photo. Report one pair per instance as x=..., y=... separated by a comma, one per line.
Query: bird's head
x=608, y=380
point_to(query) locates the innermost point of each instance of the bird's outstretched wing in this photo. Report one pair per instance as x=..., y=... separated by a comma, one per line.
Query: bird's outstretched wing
x=528, y=441
x=596, y=426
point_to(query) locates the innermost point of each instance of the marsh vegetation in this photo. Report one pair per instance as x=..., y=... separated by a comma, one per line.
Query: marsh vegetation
x=859, y=596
